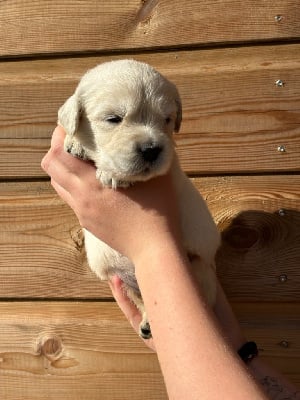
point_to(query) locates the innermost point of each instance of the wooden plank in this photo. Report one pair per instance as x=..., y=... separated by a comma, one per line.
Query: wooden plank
x=73, y=351
x=234, y=116
x=86, y=349
x=43, y=257
x=275, y=328
x=43, y=27
x=21, y=158
x=260, y=222
x=281, y=318
x=41, y=246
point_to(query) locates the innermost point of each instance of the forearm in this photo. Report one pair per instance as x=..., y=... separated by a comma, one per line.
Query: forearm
x=195, y=359
x=276, y=386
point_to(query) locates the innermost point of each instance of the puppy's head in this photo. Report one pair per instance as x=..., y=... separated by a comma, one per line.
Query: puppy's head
x=124, y=113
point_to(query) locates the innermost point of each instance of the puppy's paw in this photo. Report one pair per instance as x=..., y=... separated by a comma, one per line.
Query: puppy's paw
x=108, y=181
x=104, y=178
x=145, y=330
x=122, y=184
x=75, y=148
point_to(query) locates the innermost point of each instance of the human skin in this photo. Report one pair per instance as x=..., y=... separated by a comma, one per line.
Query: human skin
x=196, y=347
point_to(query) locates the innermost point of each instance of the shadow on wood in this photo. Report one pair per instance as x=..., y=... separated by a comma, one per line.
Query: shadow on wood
x=260, y=255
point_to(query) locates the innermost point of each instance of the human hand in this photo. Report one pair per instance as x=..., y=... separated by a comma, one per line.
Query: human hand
x=132, y=220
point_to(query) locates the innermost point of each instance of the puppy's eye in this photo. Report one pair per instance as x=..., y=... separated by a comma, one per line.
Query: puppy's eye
x=168, y=120
x=114, y=119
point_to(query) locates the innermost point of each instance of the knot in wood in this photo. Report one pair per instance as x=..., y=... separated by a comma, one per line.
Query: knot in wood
x=50, y=346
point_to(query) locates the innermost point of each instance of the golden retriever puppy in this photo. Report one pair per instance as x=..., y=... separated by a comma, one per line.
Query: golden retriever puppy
x=122, y=117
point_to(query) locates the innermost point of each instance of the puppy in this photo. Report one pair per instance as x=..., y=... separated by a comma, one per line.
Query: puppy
x=122, y=117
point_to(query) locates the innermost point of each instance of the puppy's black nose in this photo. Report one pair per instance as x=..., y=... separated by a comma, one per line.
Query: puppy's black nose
x=150, y=151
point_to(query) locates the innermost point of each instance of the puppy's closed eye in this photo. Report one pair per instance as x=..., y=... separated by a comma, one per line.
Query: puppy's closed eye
x=114, y=119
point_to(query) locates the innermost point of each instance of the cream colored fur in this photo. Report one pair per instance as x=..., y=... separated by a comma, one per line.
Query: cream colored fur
x=122, y=116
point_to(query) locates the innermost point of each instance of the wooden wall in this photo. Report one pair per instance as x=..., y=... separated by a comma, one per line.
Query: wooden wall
x=237, y=66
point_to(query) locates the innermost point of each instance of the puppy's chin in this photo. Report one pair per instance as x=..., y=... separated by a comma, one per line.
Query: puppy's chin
x=143, y=171
x=146, y=174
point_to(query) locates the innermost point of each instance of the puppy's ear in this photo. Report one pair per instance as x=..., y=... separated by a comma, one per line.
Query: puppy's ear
x=178, y=115
x=69, y=115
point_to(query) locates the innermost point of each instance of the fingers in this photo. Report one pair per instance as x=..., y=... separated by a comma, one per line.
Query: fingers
x=58, y=137
x=66, y=172
x=57, y=142
x=57, y=158
x=129, y=309
x=64, y=194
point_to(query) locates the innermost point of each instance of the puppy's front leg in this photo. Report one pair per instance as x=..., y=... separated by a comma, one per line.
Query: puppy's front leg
x=206, y=277
x=135, y=297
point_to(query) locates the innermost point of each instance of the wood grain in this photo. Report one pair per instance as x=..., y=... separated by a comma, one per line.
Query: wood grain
x=234, y=116
x=47, y=27
x=280, y=348
x=42, y=247
x=73, y=351
x=21, y=158
x=260, y=222
x=264, y=249
x=42, y=256
x=87, y=350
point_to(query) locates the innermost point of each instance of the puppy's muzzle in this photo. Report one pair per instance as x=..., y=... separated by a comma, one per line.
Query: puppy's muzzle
x=149, y=152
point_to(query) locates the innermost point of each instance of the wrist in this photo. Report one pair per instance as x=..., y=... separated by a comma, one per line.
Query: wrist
x=159, y=241
x=163, y=251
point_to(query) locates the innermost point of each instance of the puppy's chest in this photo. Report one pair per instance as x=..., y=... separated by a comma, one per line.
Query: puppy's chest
x=199, y=231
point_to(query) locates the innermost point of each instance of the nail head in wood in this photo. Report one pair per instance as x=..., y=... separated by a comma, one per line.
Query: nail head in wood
x=283, y=278
x=281, y=212
x=279, y=83
x=281, y=148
